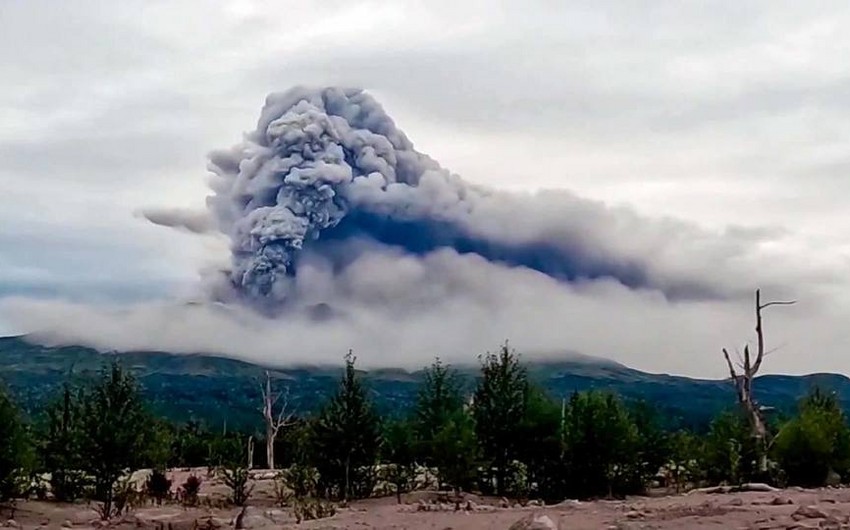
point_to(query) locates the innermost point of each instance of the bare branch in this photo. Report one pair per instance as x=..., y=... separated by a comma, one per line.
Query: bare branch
x=759, y=328
x=284, y=418
x=729, y=362
x=733, y=374
x=274, y=422
x=778, y=302
x=744, y=381
x=768, y=352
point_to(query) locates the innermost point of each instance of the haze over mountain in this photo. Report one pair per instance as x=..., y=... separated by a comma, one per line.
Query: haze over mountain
x=625, y=179
x=215, y=390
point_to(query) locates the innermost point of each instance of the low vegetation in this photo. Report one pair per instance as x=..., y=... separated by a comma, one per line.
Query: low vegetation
x=505, y=437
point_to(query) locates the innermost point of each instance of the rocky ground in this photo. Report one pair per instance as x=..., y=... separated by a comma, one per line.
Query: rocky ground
x=787, y=509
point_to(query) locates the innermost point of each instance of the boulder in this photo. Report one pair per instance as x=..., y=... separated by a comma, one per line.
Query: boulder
x=535, y=522
x=833, y=478
x=808, y=512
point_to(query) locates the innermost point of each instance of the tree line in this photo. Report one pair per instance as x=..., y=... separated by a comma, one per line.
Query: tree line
x=506, y=437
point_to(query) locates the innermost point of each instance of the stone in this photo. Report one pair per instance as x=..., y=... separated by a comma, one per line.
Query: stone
x=779, y=500
x=737, y=501
x=808, y=512
x=67, y=524
x=535, y=522
x=11, y=523
x=833, y=478
x=831, y=522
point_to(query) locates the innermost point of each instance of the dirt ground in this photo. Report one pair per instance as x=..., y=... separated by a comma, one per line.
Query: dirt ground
x=790, y=509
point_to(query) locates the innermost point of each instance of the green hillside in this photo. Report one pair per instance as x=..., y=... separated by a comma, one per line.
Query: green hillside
x=215, y=390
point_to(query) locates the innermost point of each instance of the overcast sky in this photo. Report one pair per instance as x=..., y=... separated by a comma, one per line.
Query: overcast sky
x=719, y=114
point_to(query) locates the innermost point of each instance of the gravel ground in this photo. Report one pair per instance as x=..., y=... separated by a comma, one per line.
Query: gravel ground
x=791, y=509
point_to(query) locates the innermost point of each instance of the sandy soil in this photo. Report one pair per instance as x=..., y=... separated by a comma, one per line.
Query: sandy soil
x=791, y=509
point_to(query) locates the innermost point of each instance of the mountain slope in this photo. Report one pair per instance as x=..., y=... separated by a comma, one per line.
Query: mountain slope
x=215, y=389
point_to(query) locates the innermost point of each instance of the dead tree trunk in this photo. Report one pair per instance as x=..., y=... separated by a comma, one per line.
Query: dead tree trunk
x=743, y=381
x=274, y=422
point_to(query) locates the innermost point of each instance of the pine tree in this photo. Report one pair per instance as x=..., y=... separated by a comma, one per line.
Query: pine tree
x=498, y=409
x=398, y=452
x=346, y=439
x=456, y=452
x=601, y=444
x=542, y=451
x=61, y=451
x=438, y=400
x=14, y=448
x=115, y=428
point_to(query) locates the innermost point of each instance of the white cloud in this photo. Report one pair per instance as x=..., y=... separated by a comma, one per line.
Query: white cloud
x=403, y=311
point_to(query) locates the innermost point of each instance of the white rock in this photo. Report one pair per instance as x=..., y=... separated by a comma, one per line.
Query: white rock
x=535, y=522
x=808, y=512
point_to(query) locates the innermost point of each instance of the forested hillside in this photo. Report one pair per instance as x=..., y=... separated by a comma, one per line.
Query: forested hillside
x=216, y=390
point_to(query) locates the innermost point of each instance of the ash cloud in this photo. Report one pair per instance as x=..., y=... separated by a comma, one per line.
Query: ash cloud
x=195, y=221
x=326, y=171
x=339, y=234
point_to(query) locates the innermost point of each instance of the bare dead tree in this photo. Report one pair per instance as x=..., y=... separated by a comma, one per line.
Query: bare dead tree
x=250, y=452
x=748, y=368
x=274, y=422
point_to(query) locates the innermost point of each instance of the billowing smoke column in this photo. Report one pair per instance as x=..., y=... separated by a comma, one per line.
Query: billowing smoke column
x=316, y=156
x=328, y=165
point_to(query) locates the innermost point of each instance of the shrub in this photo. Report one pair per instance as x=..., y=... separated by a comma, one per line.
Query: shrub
x=236, y=478
x=158, y=486
x=190, y=490
x=301, y=480
x=310, y=509
x=814, y=443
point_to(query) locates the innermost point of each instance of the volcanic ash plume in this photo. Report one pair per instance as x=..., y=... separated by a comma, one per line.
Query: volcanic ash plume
x=327, y=172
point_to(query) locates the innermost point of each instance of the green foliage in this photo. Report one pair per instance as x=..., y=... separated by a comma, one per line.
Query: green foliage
x=189, y=491
x=236, y=478
x=158, y=443
x=730, y=452
x=513, y=440
x=346, y=439
x=15, y=449
x=61, y=450
x=213, y=390
x=683, y=462
x=226, y=450
x=190, y=445
x=814, y=443
x=439, y=398
x=542, y=449
x=312, y=509
x=158, y=486
x=653, y=443
x=299, y=479
x=456, y=452
x=398, y=450
x=602, y=446
x=499, y=409
x=115, y=429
